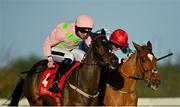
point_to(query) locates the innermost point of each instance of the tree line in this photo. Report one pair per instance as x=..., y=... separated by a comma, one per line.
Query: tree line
x=169, y=74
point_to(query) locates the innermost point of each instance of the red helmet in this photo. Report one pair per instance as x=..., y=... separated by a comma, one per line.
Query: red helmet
x=119, y=37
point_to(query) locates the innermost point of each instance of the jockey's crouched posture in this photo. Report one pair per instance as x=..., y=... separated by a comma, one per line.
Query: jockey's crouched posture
x=60, y=45
x=118, y=40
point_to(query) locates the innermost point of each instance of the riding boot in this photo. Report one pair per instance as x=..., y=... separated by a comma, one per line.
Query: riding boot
x=55, y=85
x=61, y=71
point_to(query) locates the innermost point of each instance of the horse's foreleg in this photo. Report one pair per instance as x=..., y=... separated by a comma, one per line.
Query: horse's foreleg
x=39, y=102
x=131, y=100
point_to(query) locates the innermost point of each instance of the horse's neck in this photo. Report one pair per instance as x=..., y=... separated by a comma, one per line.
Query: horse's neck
x=129, y=68
x=90, y=58
x=89, y=73
x=92, y=64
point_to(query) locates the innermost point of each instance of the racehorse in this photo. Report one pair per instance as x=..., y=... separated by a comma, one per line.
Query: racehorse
x=82, y=87
x=141, y=65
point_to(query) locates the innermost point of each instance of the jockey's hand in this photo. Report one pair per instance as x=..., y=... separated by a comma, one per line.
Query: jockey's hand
x=124, y=59
x=88, y=41
x=51, y=63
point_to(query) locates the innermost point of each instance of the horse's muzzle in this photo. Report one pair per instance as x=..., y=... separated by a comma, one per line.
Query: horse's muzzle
x=154, y=84
x=113, y=63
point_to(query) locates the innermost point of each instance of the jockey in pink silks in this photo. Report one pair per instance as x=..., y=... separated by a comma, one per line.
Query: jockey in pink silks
x=61, y=45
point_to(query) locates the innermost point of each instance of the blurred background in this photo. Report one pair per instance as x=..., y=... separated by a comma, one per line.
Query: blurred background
x=24, y=24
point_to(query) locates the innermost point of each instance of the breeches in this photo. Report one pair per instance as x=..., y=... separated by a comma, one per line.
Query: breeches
x=60, y=54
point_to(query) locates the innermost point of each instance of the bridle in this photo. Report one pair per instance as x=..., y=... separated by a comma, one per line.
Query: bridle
x=98, y=58
x=142, y=69
x=129, y=76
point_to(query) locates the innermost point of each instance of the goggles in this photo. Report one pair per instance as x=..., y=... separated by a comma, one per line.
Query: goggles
x=84, y=29
x=117, y=46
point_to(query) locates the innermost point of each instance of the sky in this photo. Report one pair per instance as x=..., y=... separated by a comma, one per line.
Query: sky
x=24, y=24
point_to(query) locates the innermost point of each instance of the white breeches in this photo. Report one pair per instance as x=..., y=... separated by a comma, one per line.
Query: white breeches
x=59, y=54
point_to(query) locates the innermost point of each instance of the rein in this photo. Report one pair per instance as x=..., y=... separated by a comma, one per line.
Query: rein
x=126, y=75
x=133, y=77
x=98, y=57
x=140, y=66
x=129, y=76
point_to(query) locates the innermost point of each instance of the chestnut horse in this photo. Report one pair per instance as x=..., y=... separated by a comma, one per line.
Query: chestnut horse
x=141, y=65
x=82, y=88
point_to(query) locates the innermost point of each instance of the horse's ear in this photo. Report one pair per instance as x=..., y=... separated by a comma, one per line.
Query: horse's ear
x=149, y=44
x=103, y=32
x=138, y=47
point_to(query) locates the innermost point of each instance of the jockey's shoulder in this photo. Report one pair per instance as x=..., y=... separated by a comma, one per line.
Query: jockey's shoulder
x=65, y=24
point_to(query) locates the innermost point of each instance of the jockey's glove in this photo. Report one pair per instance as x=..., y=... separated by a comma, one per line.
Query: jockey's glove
x=51, y=63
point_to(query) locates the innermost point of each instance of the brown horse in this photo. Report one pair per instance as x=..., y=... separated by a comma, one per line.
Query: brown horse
x=141, y=65
x=82, y=88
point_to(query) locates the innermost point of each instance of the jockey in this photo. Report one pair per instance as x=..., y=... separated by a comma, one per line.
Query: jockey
x=118, y=40
x=61, y=45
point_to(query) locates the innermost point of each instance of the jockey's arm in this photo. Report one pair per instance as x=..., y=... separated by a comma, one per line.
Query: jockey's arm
x=129, y=51
x=53, y=39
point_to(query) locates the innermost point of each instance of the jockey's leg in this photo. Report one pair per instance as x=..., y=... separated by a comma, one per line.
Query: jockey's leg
x=65, y=57
x=78, y=54
x=61, y=71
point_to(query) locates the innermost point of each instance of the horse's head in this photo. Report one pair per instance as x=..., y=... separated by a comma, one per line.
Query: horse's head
x=103, y=51
x=146, y=63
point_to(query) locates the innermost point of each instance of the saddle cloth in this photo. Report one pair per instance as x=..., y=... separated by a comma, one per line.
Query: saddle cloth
x=48, y=77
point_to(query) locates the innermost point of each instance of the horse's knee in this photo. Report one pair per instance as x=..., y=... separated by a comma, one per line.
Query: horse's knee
x=36, y=102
